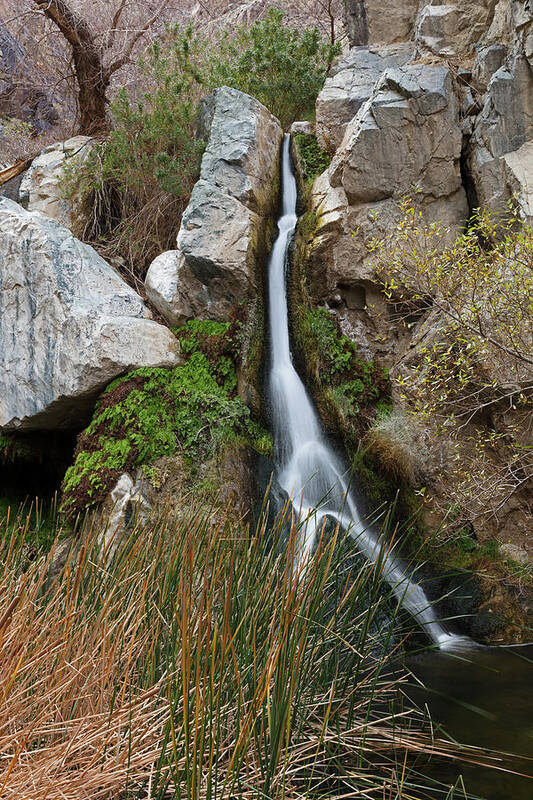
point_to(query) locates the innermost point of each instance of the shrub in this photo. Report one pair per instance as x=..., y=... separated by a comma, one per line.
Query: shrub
x=315, y=161
x=138, y=181
x=470, y=379
x=282, y=67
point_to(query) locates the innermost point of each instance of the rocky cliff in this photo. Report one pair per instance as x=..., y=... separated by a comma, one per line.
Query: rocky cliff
x=429, y=113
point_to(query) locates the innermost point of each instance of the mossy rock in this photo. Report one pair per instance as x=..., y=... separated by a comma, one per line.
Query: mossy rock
x=193, y=410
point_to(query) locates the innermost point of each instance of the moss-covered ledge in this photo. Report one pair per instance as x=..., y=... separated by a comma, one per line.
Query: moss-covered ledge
x=193, y=411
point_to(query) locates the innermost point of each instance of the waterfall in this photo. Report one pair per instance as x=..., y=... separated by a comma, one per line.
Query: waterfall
x=307, y=468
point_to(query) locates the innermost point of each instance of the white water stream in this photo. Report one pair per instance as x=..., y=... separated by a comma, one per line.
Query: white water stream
x=307, y=468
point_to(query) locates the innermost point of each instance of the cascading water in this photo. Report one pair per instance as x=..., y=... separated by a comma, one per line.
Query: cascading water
x=307, y=468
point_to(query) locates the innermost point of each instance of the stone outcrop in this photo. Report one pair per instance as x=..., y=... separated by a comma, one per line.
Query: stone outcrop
x=518, y=170
x=349, y=85
x=378, y=21
x=42, y=189
x=504, y=126
x=68, y=324
x=406, y=139
x=451, y=29
x=223, y=228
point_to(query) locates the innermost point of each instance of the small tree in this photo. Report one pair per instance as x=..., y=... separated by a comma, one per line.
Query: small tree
x=139, y=180
x=97, y=52
x=284, y=68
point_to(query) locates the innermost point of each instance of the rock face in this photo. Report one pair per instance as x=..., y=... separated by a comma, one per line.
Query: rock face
x=450, y=29
x=504, y=126
x=518, y=167
x=452, y=128
x=68, y=324
x=349, y=85
x=222, y=232
x=405, y=139
x=41, y=187
x=379, y=21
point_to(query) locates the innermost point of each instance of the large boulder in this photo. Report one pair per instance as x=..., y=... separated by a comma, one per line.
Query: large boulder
x=42, y=188
x=349, y=85
x=452, y=29
x=504, y=126
x=68, y=324
x=222, y=233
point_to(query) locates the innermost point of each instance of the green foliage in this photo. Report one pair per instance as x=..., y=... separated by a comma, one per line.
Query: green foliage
x=139, y=180
x=14, y=448
x=284, y=68
x=34, y=524
x=348, y=380
x=192, y=409
x=314, y=160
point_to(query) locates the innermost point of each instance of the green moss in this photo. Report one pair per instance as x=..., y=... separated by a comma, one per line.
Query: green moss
x=313, y=159
x=344, y=381
x=192, y=409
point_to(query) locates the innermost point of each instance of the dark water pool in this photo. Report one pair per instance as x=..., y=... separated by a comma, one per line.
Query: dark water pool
x=482, y=697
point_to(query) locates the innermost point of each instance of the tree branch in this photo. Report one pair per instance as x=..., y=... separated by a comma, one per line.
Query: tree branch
x=126, y=56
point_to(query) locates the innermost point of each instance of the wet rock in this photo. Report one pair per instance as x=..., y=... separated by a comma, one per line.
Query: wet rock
x=221, y=237
x=42, y=190
x=68, y=324
x=349, y=85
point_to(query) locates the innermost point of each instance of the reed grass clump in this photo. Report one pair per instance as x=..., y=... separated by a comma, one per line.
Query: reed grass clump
x=200, y=660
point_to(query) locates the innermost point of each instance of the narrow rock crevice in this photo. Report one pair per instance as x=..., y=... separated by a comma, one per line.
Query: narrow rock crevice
x=467, y=178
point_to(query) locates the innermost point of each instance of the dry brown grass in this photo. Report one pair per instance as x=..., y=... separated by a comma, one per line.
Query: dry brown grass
x=396, y=442
x=73, y=722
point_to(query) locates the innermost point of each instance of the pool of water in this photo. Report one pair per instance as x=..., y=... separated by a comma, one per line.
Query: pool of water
x=483, y=697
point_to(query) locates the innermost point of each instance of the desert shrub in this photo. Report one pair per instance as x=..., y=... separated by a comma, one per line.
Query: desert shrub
x=284, y=68
x=192, y=409
x=396, y=444
x=139, y=180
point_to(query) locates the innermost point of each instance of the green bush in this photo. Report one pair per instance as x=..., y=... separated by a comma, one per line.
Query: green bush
x=192, y=409
x=282, y=67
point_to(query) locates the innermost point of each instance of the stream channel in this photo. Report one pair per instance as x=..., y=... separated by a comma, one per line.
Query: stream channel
x=480, y=695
